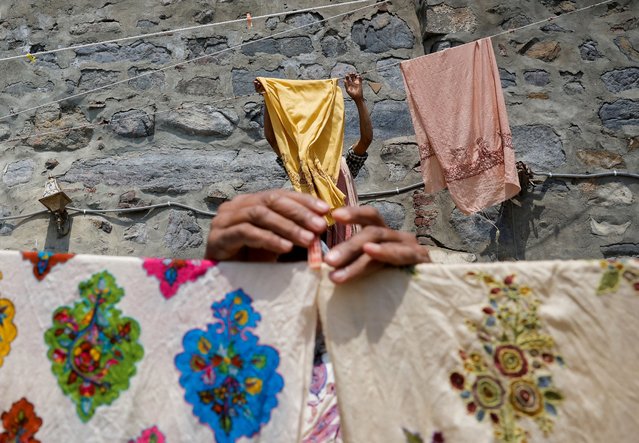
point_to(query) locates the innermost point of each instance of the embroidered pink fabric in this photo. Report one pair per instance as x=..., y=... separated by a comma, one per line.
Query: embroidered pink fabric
x=461, y=125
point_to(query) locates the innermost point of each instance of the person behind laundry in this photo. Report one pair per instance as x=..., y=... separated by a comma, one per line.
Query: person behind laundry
x=264, y=226
x=356, y=154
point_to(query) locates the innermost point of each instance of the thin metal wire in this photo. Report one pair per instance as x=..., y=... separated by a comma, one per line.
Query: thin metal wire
x=148, y=73
x=180, y=30
x=85, y=211
x=508, y=31
x=143, y=208
x=362, y=196
x=17, y=217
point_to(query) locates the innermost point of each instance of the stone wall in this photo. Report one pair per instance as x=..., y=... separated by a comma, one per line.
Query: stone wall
x=572, y=93
x=169, y=135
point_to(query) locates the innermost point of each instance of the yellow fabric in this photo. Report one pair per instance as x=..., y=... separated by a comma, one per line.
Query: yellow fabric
x=308, y=121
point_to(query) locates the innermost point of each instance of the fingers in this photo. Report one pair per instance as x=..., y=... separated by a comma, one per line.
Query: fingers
x=364, y=265
x=247, y=235
x=374, y=247
x=358, y=215
x=272, y=221
x=259, y=88
x=345, y=253
x=397, y=254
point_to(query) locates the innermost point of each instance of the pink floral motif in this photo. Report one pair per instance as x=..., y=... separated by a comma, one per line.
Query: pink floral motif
x=151, y=435
x=172, y=273
x=327, y=428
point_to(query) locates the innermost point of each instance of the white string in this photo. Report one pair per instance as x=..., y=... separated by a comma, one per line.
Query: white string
x=180, y=30
x=231, y=48
x=92, y=125
x=508, y=31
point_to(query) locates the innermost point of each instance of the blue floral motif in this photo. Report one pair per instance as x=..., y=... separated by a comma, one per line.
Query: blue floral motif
x=229, y=378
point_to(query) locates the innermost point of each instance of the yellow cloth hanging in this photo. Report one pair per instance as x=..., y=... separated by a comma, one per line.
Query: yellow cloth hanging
x=308, y=121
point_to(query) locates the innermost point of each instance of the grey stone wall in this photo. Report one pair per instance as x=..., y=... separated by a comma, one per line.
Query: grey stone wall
x=169, y=135
x=571, y=87
x=572, y=92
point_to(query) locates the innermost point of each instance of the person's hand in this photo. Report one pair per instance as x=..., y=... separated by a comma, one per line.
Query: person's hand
x=259, y=87
x=353, y=86
x=371, y=249
x=261, y=226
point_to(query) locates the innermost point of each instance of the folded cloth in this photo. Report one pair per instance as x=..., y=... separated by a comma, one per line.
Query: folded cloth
x=459, y=115
x=308, y=121
x=493, y=352
x=114, y=349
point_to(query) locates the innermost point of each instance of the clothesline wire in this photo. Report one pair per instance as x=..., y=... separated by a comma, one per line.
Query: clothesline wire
x=214, y=54
x=362, y=196
x=184, y=29
x=508, y=31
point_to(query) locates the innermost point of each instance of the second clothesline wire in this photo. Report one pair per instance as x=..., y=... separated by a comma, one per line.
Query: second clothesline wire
x=510, y=31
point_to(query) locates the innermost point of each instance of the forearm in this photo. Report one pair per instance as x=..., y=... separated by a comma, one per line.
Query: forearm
x=365, y=129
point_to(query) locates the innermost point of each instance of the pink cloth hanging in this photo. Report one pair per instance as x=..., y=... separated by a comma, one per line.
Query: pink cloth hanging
x=461, y=125
x=338, y=232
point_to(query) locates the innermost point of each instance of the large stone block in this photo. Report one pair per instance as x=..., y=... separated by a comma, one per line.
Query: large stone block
x=150, y=79
x=174, y=170
x=243, y=79
x=202, y=120
x=622, y=79
x=198, y=86
x=620, y=113
x=133, y=123
x=444, y=19
x=48, y=134
x=589, y=51
x=382, y=33
x=539, y=147
x=96, y=78
x=507, y=78
x=392, y=213
x=537, y=77
x=476, y=231
x=183, y=232
x=333, y=45
x=18, y=172
x=288, y=46
x=134, y=52
x=388, y=69
x=391, y=119
x=198, y=47
x=21, y=88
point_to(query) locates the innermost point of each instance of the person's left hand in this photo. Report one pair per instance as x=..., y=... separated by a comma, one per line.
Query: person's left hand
x=371, y=249
x=353, y=86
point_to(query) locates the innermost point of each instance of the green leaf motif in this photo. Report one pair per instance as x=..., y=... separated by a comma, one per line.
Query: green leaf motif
x=553, y=395
x=412, y=437
x=609, y=281
x=94, y=349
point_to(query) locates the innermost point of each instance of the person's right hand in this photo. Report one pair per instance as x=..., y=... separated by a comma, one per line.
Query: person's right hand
x=259, y=87
x=261, y=226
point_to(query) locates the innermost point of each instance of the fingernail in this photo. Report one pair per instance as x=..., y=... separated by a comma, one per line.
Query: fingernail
x=338, y=275
x=322, y=205
x=332, y=255
x=318, y=222
x=340, y=212
x=307, y=236
x=286, y=245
